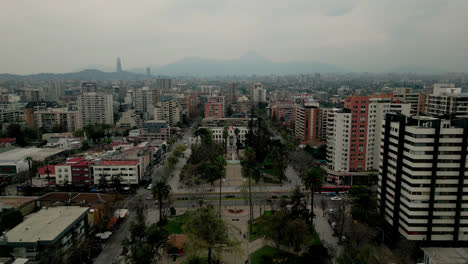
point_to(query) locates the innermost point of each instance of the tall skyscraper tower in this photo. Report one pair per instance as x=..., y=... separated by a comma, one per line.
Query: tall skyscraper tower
x=119, y=65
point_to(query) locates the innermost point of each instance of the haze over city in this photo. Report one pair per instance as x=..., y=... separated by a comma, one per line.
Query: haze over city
x=353, y=35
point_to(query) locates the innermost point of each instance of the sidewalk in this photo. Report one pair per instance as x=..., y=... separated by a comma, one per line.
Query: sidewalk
x=324, y=230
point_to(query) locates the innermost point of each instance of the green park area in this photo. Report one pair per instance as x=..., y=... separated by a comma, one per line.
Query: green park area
x=175, y=225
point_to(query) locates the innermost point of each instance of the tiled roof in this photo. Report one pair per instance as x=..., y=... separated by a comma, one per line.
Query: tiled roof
x=43, y=170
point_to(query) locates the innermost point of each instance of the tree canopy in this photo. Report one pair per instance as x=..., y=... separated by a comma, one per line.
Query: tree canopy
x=207, y=231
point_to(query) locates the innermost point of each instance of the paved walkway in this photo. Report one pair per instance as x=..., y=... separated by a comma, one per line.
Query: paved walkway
x=324, y=230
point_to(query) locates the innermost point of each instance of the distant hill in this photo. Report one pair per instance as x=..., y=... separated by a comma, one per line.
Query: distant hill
x=249, y=63
x=81, y=75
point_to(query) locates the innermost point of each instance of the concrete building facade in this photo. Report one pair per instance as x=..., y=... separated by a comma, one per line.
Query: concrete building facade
x=423, y=178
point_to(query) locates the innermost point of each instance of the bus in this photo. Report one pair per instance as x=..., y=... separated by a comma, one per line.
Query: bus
x=335, y=189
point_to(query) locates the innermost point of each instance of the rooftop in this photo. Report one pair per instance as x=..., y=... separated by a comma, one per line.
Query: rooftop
x=45, y=225
x=15, y=201
x=38, y=154
x=43, y=170
x=447, y=255
x=117, y=162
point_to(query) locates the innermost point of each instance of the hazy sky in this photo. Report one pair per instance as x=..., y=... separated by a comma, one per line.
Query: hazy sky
x=362, y=35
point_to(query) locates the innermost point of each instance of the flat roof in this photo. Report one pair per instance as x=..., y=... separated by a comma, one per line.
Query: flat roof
x=45, y=225
x=117, y=162
x=447, y=255
x=15, y=201
x=38, y=154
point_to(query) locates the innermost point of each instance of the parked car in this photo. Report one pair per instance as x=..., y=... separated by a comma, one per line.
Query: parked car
x=149, y=187
x=336, y=198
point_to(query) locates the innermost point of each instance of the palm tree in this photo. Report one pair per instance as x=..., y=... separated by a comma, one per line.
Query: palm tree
x=237, y=131
x=313, y=180
x=161, y=191
x=29, y=161
x=220, y=164
x=225, y=137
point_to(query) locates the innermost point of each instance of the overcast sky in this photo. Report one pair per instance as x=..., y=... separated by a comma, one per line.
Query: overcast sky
x=361, y=35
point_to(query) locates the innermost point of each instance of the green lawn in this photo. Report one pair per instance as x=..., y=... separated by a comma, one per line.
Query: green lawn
x=269, y=254
x=255, y=233
x=175, y=224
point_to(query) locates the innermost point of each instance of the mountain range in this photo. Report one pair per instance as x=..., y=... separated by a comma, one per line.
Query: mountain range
x=248, y=64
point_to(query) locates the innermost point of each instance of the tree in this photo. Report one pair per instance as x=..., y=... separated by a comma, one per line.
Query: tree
x=9, y=218
x=313, y=182
x=225, y=137
x=238, y=143
x=339, y=216
x=229, y=111
x=220, y=164
x=117, y=182
x=278, y=159
x=161, y=191
x=298, y=205
x=78, y=133
x=85, y=145
x=29, y=161
x=207, y=231
x=172, y=161
x=145, y=242
x=205, y=135
x=301, y=161
x=364, y=204
x=298, y=233
x=14, y=131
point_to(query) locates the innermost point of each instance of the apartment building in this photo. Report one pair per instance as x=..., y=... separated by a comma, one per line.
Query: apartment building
x=95, y=108
x=423, y=177
x=55, y=227
x=167, y=110
x=353, y=136
x=129, y=119
x=416, y=100
x=307, y=121
x=214, y=110
x=447, y=99
x=128, y=171
x=284, y=111
x=257, y=93
x=143, y=102
x=75, y=171
x=11, y=113
x=51, y=118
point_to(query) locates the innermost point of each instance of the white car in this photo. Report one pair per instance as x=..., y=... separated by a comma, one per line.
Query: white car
x=336, y=198
x=149, y=187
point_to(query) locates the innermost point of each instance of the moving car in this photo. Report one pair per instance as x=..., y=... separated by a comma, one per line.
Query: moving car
x=336, y=198
x=149, y=187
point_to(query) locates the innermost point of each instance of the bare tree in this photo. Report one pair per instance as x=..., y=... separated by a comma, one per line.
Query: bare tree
x=301, y=161
x=323, y=205
x=339, y=217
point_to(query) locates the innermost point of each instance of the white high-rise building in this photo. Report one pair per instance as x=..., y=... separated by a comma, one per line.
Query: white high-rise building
x=423, y=177
x=95, y=108
x=447, y=99
x=378, y=108
x=338, y=140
